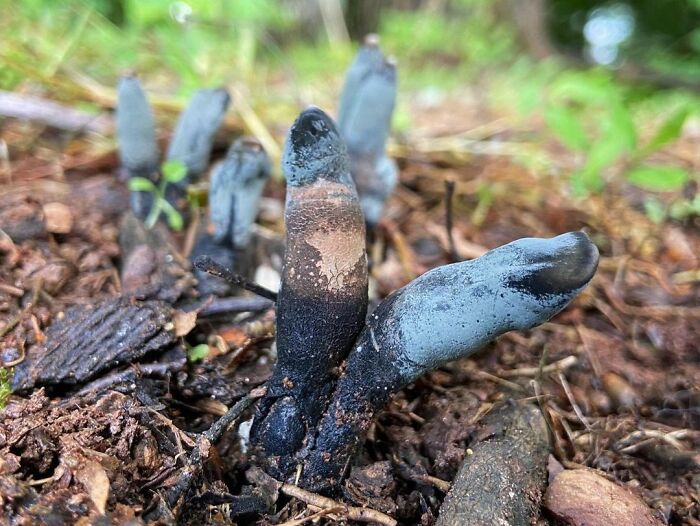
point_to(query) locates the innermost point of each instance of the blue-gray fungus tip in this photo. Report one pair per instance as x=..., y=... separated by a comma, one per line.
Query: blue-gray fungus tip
x=368, y=58
x=314, y=149
x=365, y=112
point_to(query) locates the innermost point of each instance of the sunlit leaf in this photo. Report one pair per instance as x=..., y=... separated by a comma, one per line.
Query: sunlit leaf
x=657, y=178
x=584, y=87
x=621, y=128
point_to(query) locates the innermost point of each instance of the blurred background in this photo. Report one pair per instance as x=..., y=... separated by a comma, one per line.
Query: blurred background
x=606, y=84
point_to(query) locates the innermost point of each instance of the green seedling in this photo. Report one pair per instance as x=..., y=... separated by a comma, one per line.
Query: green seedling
x=172, y=172
x=198, y=352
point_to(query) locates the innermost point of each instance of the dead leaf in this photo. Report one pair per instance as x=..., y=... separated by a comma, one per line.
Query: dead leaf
x=184, y=322
x=94, y=478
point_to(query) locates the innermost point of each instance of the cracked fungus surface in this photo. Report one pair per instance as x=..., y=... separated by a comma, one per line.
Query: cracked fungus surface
x=339, y=252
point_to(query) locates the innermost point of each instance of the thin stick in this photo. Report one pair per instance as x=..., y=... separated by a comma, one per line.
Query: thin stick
x=351, y=512
x=560, y=365
x=572, y=401
x=208, y=265
x=130, y=375
x=309, y=518
x=200, y=452
x=440, y=484
x=449, y=193
x=236, y=304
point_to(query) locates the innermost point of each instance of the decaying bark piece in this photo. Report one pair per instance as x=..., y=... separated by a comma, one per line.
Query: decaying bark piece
x=447, y=313
x=91, y=339
x=503, y=480
x=323, y=297
x=151, y=267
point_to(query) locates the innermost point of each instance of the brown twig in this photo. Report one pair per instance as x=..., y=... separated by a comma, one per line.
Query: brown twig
x=449, y=194
x=208, y=265
x=351, y=512
x=308, y=518
x=440, y=484
x=200, y=452
x=572, y=401
x=236, y=304
x=560, y=365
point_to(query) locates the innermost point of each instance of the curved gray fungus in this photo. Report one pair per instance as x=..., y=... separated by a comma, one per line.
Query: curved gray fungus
x=454, y=310
x=313, y=149
x=445, y=314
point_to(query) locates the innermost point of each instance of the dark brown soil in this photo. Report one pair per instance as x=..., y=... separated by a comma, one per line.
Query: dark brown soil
x=625, y=399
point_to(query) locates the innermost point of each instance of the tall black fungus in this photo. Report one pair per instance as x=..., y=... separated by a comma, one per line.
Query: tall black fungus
x=136, y=132
x=447, y=313
x=323, y=296
x=235, y=189
x=364, y=119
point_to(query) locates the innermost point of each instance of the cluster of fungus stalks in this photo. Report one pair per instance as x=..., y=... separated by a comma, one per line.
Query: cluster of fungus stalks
x=335, y=367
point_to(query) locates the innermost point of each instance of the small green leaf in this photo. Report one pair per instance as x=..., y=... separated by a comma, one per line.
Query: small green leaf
x=657, y=178
x=585, y=181
x=565, y=124
x=198, y=352
x=173, y=171
x=141, y=184
x=669, y=131
x=173, y=217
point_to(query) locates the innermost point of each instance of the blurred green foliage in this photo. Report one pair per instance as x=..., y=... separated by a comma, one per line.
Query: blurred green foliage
x=279, y=59
x=592, y=115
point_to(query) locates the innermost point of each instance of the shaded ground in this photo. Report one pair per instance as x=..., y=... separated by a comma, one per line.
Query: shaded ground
x=623, y=396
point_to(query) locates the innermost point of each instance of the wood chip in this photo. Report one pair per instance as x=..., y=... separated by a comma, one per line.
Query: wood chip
x=582, y=497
